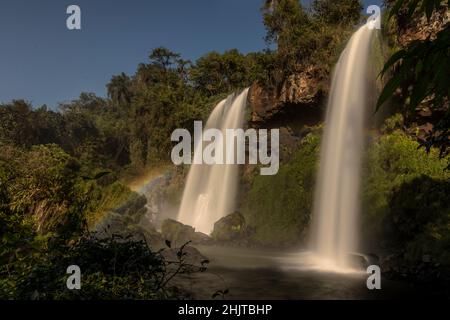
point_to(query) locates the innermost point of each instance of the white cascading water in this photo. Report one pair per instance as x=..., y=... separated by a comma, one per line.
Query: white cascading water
x=211, y=190
x=336, y=204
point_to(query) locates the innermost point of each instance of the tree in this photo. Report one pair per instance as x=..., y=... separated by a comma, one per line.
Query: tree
x=16, y=124
x=284, y=21
x=307, y=38
x=119, y=89
x=337, y=11
x=163, y=57
x=216, y=73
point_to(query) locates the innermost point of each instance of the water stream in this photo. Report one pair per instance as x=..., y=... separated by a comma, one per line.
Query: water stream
x=336, y=205
x=211, y=190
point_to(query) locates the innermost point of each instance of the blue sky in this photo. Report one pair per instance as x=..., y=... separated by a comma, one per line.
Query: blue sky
x=45, y=63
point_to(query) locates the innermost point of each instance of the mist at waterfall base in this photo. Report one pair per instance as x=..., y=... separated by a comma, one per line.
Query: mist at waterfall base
x=210, y=191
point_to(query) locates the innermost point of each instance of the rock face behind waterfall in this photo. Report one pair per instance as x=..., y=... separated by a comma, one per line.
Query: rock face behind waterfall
x=293, y=105
x=300, y=93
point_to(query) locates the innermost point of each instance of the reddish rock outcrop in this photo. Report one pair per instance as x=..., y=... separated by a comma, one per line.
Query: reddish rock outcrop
x=420, y=28
x=299, y=91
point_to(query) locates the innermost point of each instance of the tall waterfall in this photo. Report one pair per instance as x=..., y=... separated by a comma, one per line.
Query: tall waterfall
x=336, y=204
x=211, y=190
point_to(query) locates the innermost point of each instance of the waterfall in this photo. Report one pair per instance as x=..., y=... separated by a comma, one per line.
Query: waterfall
x=336, y=204
x=211, y=190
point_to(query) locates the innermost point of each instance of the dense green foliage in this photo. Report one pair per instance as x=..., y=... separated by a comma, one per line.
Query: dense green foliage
x=46, y=203
x=216, y=73
x=278, y=207
x=110, y=270
x=132, y=129
x=405, y=197
x=45, y=206
x=338, y=12
x=306, y=38
x=42, y=184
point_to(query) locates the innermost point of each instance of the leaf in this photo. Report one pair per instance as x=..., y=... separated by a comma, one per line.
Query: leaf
x=412, y=7
x=419, y=68
x=101, y=174
x=388, y=90
x=97, y=176
x=393, y=59
x=419, y=92
x=395, y=8
x=429, y=6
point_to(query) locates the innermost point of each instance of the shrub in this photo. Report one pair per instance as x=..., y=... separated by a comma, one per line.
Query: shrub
x=111, y=268
x=405, y=193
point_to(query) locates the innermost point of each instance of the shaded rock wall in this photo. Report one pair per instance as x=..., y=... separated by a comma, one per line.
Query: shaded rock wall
x=297, y=94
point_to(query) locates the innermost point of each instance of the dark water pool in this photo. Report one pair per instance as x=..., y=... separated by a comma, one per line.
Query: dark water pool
x=257, y=274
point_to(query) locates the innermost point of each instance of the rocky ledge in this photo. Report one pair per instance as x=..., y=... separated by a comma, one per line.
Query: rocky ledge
x=298, y=93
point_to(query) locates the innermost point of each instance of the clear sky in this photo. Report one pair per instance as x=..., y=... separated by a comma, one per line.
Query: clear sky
x=45, y=63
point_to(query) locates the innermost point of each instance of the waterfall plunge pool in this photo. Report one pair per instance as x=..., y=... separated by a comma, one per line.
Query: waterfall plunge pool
x=251, y=274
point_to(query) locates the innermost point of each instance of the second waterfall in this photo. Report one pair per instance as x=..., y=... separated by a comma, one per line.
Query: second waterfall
x=210, y=190
x=336, y=204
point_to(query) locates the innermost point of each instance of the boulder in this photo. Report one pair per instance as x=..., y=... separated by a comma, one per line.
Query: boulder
x=112, y=224
x=176, y=232
x=148, y=234
x=357, y=261
x=118, y=220
x=115, y=225
x=362, y=261
x=201, y=238
x=231, y=227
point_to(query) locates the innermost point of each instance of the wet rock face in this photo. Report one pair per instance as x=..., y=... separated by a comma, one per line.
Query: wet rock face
x=133, y=209
x=118, y=221
x=299, y=91
x=128, y=222
x=155, y=194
